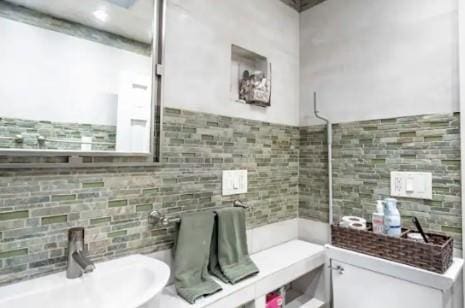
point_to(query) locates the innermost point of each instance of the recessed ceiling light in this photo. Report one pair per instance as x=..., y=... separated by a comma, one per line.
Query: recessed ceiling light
x=101, y=15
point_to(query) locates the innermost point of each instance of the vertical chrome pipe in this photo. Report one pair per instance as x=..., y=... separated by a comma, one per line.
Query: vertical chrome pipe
x=329, y=129
x=158, y=62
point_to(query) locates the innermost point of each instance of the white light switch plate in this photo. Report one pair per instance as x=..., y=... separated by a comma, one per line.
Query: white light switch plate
x=234, y=182
x=417, y=185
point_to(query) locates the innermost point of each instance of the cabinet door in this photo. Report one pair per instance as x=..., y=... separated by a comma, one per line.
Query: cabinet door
x=355, y=287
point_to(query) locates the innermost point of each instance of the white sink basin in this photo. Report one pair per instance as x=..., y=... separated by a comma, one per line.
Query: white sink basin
x=129, y=282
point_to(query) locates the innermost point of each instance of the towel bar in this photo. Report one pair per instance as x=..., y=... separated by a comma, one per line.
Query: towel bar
x=42, y=139
x=157, y=218
x=17, y=139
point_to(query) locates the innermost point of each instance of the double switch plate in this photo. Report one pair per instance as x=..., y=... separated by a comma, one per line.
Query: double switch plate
x=416, y=185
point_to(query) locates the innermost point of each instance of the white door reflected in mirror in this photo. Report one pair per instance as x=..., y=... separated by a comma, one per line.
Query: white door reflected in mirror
x=133, y=116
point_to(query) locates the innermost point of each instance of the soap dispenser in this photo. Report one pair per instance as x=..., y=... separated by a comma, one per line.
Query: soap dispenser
x=378, y=218
x=391, y=218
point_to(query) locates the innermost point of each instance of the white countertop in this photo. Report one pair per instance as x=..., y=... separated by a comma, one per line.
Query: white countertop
x=278, y=266
x=398, y=270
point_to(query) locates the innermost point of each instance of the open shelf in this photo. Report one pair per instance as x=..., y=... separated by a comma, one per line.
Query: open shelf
x=247, y=63
x=304, y=301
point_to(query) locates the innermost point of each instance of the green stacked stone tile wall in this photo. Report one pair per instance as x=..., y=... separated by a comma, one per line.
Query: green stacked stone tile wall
x=38, y=206
x=364, y=154
x=287, y=178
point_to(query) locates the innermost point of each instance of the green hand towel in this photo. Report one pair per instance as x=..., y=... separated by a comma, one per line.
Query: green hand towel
x=214, y=265
x=192, y=251
x=229, y=258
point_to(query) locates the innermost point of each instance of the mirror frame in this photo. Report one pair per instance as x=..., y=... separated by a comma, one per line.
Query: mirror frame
x=461, y=62
x=32, y=158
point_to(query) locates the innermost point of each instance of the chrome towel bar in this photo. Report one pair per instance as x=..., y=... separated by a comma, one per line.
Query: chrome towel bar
x=157, y=218
x=17, y=138
x=42, y=139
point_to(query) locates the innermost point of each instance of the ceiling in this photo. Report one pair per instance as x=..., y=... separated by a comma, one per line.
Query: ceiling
x=302, y=5
x=306, y=4
x=128, y=18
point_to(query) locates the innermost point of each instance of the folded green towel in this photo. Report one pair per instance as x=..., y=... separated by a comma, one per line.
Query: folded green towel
x=229, y=257
x=192, y=251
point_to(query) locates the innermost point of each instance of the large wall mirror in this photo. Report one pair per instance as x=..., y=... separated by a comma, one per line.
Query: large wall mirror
x=79, y=76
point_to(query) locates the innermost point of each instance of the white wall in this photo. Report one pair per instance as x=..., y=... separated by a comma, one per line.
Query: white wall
x=371, y=59
x=47, y=75
x=199, y=35
x=366, y=59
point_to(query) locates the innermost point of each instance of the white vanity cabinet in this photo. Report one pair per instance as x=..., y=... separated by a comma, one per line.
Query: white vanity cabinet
x=362, y=281
x=361, y=288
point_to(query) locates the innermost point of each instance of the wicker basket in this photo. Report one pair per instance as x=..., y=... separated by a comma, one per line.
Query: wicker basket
x=435, y=256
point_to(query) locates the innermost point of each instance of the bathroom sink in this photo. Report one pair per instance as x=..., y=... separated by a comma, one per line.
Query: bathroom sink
x=129, y=282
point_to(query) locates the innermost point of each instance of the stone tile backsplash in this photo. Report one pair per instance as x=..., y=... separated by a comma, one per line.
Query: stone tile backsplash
x=37, y=207
x=364, y=154
x=287, y=173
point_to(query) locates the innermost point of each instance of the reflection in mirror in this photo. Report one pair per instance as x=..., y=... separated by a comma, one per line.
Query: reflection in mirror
x=76, y=75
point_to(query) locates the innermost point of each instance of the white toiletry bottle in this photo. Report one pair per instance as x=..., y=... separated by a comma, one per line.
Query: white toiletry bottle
x=391, y=218
x=378, y=218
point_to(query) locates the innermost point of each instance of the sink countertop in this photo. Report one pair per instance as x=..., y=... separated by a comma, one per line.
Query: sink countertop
x=277, y=265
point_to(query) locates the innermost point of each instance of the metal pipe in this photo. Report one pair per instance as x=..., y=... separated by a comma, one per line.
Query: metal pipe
x=158, y=80
x=330, y=156
x=78, y=263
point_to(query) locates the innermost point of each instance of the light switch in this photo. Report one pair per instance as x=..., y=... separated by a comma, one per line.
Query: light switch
x=234, y=182
x=409, y=185
x=416, y=185
x=86, y=144
x=421, y=186
x=398, y=184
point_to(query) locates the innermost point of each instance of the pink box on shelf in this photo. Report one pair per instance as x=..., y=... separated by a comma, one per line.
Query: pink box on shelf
x=274, y=300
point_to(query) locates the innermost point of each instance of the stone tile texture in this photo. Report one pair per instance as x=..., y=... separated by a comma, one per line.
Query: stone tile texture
x=38, y=206
x=364, y=154
x=287, y=169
